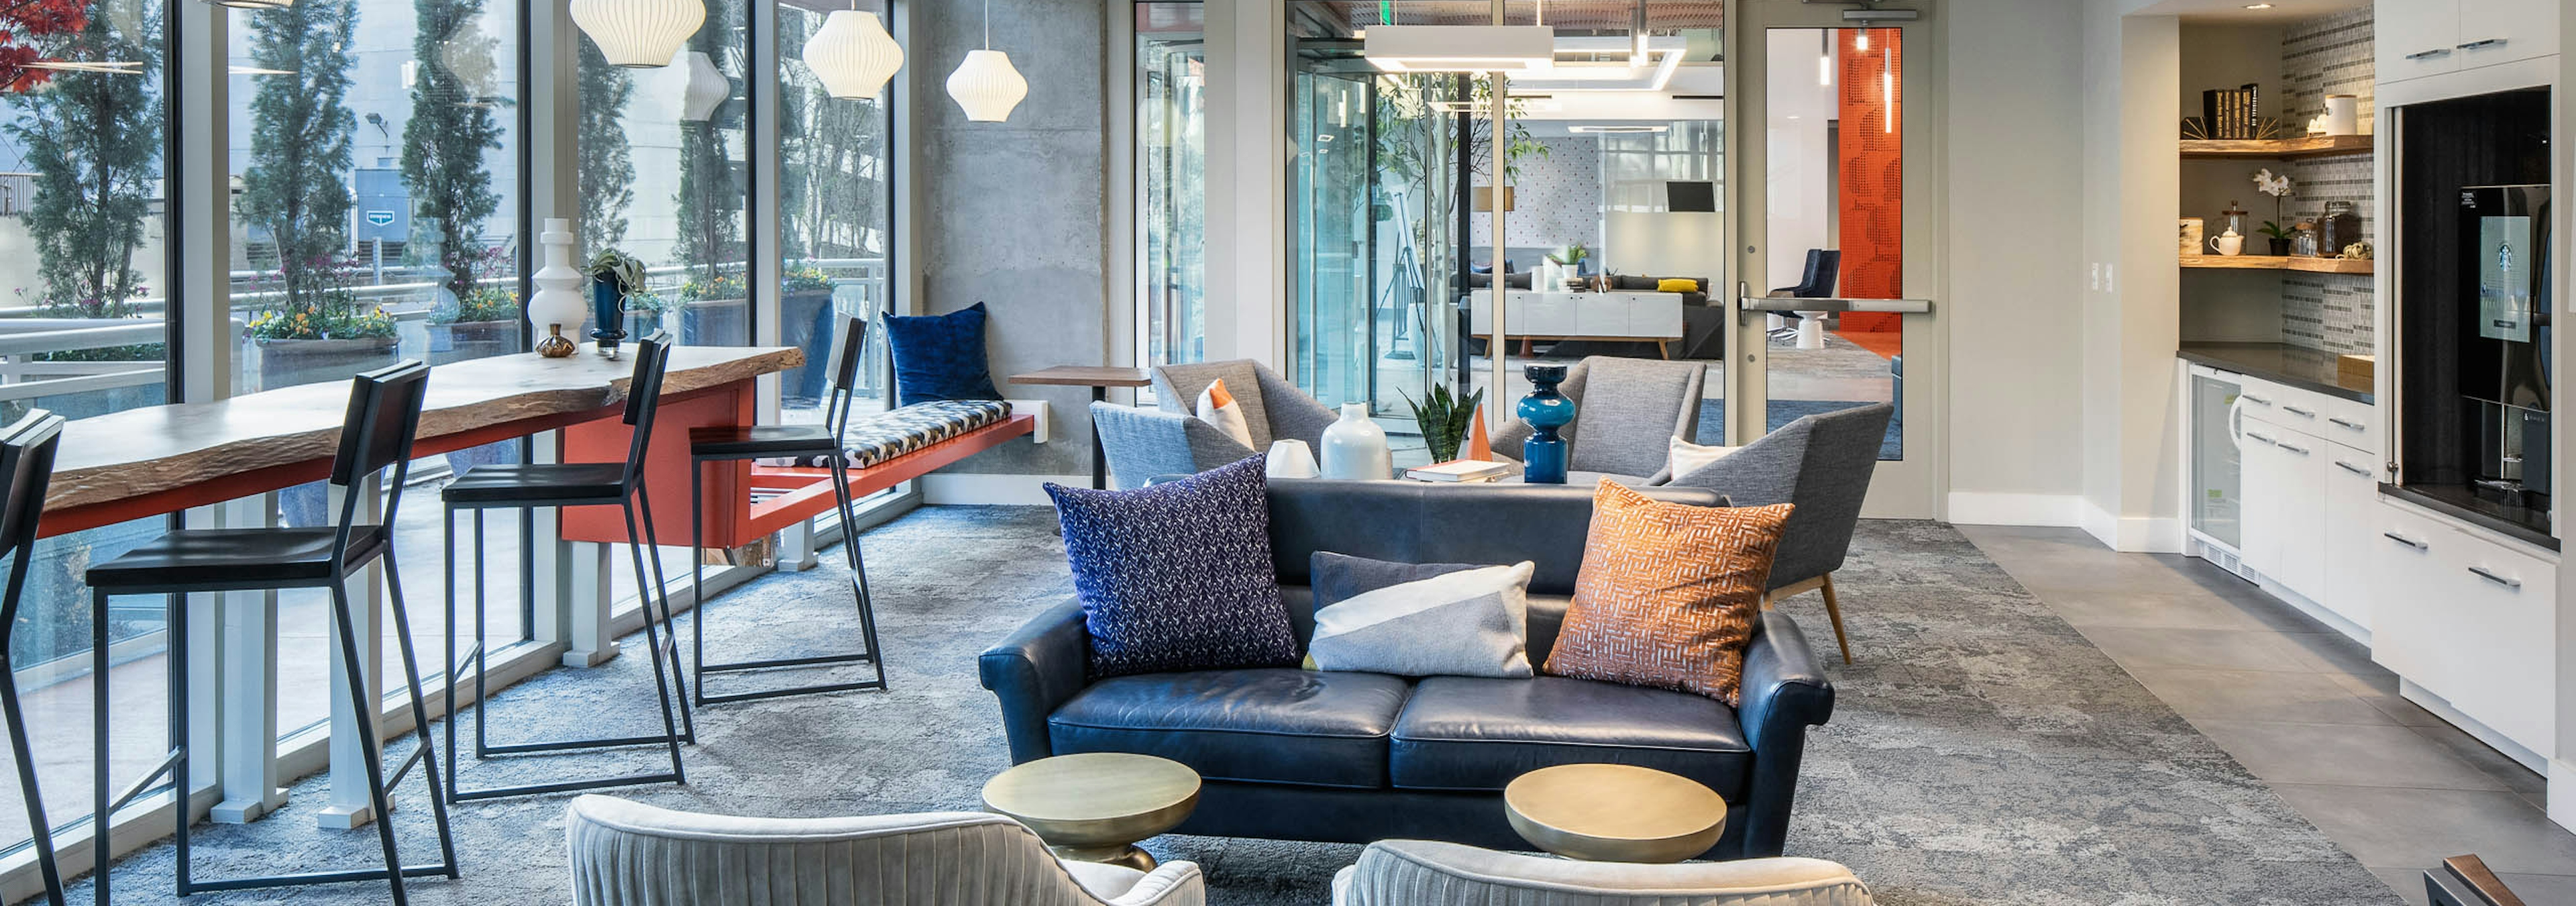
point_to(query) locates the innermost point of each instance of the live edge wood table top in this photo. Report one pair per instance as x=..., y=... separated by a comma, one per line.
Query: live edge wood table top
x=161, y=459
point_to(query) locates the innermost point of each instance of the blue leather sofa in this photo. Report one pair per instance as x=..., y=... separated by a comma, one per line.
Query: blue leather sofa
x=1358, y=757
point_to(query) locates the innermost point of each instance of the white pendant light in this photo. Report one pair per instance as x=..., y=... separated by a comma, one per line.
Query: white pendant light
x=639, y=34
x=852, y=55
x=707, y=89
x=985, y=85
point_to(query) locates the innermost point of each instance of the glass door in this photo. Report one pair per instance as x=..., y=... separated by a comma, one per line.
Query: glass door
x=2217, y=460
x=1834, y=306
x=1330, y=192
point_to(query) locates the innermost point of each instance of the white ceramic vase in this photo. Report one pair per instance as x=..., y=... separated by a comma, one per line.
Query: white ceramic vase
x=1290, y=459
x=557, y=307
x=1355, y=447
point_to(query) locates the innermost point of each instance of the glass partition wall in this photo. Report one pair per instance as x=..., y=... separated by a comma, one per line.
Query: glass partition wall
x=378, y=205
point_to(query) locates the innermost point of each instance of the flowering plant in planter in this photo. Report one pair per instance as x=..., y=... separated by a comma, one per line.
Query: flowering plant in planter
x=720, y=286
x=329, y=310
x=804, y=279
x=485, y=303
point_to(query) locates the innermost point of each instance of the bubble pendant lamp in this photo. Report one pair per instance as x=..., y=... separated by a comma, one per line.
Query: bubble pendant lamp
x=639, y=34
x=852, y=55
x=985, y=85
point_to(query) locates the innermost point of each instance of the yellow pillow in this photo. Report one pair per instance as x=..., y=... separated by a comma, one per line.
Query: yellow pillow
x=1676, y=285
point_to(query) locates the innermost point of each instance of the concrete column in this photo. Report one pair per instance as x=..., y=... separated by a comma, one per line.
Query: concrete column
x=1247, y=181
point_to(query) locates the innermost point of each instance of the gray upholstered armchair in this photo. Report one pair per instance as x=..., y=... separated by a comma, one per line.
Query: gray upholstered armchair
x=1425, y=873
x=1626, y=413
x=1823, y=464
x=632, y=854
x=1170, y=440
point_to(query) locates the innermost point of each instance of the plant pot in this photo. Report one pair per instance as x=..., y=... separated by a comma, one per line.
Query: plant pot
x=805, y=321
x=466, y=340
x=2280, y=247
x=715, y=322
x=287, y=363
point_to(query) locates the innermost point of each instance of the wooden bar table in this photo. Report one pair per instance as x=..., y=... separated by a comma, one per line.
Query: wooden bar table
x=1099, y=379
x=155, y=460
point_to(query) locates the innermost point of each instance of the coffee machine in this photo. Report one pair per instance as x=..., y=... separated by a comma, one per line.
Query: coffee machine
x=2504, y=372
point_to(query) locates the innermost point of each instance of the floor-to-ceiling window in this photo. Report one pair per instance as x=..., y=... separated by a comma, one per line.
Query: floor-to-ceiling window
x=1171, y=157
x=84, y=246
x=836, y=221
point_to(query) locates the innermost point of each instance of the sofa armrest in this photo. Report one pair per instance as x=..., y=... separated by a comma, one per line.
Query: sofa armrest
x=1035, y=671
x=1142, y=443
x=1784, y=692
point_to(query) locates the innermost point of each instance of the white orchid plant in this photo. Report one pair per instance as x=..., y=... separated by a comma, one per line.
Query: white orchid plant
x=2278, y=187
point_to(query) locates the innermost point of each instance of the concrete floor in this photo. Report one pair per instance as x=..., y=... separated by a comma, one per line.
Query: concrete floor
x=2303, y=708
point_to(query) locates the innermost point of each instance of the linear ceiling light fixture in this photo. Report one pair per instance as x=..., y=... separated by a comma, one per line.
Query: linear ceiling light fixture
x=985, y=85
x=1617, y=130
x=1461, y=48
x=852, y=55
x=639, y=34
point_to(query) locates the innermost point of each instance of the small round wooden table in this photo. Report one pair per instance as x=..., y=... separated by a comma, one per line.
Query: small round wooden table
x=1094, y=807
x=1614, y=813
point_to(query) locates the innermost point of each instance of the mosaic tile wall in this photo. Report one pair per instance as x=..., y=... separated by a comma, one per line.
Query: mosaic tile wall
x=2331, y=55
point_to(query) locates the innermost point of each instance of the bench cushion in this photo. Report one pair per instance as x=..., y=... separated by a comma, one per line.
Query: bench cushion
x=1470, y=733
x=1262, y=725
x=874, y=439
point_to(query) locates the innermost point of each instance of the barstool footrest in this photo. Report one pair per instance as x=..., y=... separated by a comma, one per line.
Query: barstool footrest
x=535, y=789
x=192, y=888
x=857, y=658
x=144, y=784
x=522, y=748
x=418, y=754
x=854, y=686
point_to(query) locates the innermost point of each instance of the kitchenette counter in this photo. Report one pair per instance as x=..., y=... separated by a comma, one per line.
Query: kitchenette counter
x=2296, y=366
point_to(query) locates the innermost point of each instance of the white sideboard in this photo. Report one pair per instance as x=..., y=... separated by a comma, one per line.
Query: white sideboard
x=1652, y=317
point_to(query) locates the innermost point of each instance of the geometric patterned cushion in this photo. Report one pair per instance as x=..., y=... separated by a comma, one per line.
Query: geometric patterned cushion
x=874, y=439
x=1177, y=576
x=1668, y=593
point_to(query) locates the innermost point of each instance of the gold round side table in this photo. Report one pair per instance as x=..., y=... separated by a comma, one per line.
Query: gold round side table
x=1614, y=813
x=1094, y=807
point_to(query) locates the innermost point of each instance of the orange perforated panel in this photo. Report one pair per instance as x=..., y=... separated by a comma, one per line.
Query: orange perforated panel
x=1872, y=156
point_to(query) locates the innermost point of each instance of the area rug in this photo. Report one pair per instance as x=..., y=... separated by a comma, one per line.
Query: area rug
x=1981, y=750
x=1712, y=421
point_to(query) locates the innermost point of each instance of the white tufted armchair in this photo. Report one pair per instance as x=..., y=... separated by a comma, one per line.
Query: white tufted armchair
x=1425, y=873
x=632, y=854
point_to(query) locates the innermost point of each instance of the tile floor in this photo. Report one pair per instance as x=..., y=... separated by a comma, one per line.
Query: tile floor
x=2303, y=708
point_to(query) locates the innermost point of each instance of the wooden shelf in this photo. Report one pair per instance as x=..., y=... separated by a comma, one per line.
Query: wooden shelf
x=2274, y=148
x=2279, y=263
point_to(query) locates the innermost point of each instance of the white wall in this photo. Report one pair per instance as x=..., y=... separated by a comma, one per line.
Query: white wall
x=1801, y=158
x=2016, y=203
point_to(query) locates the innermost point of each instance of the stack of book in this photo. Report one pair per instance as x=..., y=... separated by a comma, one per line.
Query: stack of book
x=2231, y=112
x=1461, y=470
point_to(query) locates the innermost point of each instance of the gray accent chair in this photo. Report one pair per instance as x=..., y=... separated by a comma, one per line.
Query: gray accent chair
x=1426, y=873
x=1170, y=439
x=631, y=854
x=1626, y=413
x=1823, y=464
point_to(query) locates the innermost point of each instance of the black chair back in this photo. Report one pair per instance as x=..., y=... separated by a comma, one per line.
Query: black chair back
x=377, y=432
x=1823, y=267
x=27, y=466
x=644, y=398
x=843, y=372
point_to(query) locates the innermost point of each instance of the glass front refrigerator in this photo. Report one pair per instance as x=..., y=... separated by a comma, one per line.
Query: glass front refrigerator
x=2217, y=466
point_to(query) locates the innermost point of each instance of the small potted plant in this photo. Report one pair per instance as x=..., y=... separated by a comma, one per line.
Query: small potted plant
x=484, y=323
x=1444, y=419
x=614, y=275
x=2278, y=187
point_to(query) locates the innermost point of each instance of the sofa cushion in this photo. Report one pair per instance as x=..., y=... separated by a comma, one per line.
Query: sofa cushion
x=941, y=357
x=1177, y=576
x=1256, y=725
x=1469, y=733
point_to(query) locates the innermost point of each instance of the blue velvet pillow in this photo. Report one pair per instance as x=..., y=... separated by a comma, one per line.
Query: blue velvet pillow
x=1177, y=576
x=941, y=357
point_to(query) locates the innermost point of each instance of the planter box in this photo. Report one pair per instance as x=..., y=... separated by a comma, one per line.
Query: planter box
x=287, y=363
x=805, y=321
x=466, y=340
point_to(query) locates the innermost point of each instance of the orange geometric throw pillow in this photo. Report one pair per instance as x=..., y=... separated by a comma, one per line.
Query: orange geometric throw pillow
x=1668, y=593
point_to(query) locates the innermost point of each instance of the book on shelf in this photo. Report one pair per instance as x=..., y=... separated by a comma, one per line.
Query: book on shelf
x=1461, y=470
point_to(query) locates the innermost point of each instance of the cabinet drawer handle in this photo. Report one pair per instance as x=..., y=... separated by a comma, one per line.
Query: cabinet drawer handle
x=2302, y=413
x=2401, y=539
x=2492, y=577
x=2262, y=438
x=2349, y=467
x=2256, y=400
x=2429, y=54
x=2347, y=423
x=2490, y=42
x=2303, y=451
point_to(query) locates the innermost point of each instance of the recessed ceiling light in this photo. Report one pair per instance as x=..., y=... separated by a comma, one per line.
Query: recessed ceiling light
x=2258, y=6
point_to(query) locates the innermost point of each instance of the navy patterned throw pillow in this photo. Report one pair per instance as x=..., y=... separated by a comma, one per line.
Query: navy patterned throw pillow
x=1177, y=576
x=941, y=357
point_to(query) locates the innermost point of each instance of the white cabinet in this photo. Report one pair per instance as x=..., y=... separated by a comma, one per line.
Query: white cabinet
x=2418, y=38
x=2285, y=506
x=2352, y=495
x=2471, y=620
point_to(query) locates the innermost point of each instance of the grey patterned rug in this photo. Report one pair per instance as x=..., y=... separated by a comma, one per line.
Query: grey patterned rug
x=1982, y=751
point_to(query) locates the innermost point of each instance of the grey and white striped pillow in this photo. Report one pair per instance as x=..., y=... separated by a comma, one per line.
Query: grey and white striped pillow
x=1470, y=622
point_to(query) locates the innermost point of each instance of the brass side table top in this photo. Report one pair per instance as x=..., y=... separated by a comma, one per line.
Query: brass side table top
x=1094, y=807
x=1614, y=813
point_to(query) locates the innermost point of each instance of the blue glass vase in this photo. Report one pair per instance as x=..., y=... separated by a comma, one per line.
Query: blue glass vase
x=608, y=310
x=1546, y=410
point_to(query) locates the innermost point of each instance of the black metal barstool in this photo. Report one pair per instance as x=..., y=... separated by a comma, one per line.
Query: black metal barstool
x=384, y=411
x=27, y=466
x=517, y=486
x=819, y=444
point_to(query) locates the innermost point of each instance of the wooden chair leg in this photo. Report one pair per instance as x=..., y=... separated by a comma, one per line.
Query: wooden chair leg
x=1834, y=611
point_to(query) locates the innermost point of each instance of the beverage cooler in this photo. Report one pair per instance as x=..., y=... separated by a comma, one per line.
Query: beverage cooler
x=2217, y=465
